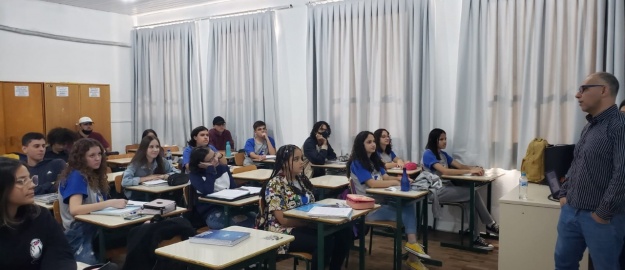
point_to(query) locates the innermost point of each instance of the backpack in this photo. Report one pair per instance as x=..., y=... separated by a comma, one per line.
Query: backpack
x=534, y=161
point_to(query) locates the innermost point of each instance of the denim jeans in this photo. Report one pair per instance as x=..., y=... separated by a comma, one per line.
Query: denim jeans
x=577, y=230
x=80, y=237
x=389, y=213
x=216, y=219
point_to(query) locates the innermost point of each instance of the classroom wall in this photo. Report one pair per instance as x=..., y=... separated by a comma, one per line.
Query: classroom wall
x=37, y=59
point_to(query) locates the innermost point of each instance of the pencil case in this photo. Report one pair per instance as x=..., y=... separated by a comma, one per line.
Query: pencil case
x=360, y=202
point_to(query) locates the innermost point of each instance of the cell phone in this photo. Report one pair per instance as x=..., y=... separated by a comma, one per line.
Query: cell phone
x=133, y=217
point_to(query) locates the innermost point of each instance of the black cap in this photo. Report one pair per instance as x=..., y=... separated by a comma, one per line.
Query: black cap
x=218, y=121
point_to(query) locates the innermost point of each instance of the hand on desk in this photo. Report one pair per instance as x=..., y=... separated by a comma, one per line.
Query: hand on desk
x=117, y=203
x=479, y=171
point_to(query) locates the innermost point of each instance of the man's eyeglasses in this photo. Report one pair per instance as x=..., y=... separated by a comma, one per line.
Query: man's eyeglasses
x=22, y=181
x=583, y=88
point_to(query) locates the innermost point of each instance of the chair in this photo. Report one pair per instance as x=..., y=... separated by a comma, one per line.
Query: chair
x=56, y=210
x=189, y=201
x=173, y=148
x=118, y=183
x=131, y=147
x=244, y=169
x=304, y=256
x=238, y=159
x=460, y=205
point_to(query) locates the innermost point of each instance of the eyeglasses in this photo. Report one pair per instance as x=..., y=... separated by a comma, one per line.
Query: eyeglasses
x=583, y=88
x=25, y=180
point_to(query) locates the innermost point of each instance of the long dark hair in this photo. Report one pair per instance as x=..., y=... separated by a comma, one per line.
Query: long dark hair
x=140, y=159
x=284, y=162
x=194, y=133
x=317, y=126
x=8, y=169
x=96, y=179
x=197, y=156
x=378, y=135
x=148, y=131
x=432, y=144
x=359, y=153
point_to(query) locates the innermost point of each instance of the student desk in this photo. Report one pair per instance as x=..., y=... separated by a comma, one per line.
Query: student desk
x=155, y=189
x=46, y=206
x=259, y=175
x=228, y=204
x=337, y=165
x=111, y=176
x=473, y=180
x=397, y=171
x=232, y=167
x=529, y=230
x=118, y=162
x=262, y=246
x=328, y=226
x=328, y=182
x=112, y=222
x=402, y=198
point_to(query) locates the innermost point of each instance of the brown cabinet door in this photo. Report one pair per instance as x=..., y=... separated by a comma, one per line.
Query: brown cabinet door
x=22, y=105
x=95, y=102
x=62, y=105
x=3, y=149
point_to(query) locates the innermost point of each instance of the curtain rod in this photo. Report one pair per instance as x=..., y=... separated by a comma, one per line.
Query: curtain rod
x=312, y=3
x=217, y=16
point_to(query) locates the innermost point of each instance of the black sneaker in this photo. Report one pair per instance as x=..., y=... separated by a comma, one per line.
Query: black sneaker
x=482, y=244
x=493, y=228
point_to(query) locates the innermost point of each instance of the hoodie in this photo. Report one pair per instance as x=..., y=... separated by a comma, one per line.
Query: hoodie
x=47, y=170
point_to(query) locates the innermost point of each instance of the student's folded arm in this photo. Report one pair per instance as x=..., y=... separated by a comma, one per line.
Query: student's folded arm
x=129, y=178
x=311, y=153
x=331, y=153
x=271, y=146
x=387, y=177
x=249, y=149
x=77, y=208
x=447, y=171
x=288, y=222
x=204, y=187
x=381, y=184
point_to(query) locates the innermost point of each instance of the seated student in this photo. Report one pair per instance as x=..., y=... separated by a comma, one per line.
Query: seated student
x=208, y=176
x=149, y=132
x=289, y=188
x=146, y=165
x=219, y=135
x=366, y=170
x=437, y=161
x=317, y=149
x=199, y=138
x=34, y=146
x=60, y=141
x=385, y=150
x=260, y=145
x=30, y=238
x=85, y=130
x=83, y=188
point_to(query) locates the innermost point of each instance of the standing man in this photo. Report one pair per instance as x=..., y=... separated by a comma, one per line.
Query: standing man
x=86, y=131
x=46, y=170
x=219, y=135
x=593, y=197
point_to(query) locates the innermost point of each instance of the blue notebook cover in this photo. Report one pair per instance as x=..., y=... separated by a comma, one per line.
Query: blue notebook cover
x=307, y=207
x=220, y=237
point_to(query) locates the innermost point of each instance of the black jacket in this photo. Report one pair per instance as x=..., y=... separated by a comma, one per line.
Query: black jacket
x=317, y=157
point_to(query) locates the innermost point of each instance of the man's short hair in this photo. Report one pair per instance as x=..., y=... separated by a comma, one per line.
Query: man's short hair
x=61, y=135
x=28, y=137
x=258, y=124
x=610, y=80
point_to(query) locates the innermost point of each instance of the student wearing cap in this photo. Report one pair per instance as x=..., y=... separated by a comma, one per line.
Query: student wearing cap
x=219, y=135
x=86, y=131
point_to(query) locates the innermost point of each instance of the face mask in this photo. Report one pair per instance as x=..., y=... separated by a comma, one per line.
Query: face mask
x=325, y=134
x=87, y=132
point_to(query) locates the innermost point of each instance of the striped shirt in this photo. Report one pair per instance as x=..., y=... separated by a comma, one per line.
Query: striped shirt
x=596, y=179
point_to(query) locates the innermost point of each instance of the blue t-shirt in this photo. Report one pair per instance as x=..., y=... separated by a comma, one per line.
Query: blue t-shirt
x=250, y=146
x=186, y=154
x=75, y=184
x=429, y=159
x=362, y=174
x=386, y=158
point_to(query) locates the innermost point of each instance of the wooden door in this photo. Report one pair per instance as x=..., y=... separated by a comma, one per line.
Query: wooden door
x=95, y=102
x=23, y=112
x=62, y=105
x=2, y=129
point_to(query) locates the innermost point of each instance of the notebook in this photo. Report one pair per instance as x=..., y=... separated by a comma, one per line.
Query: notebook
x=251, y=190
x=270, y=156
x=153, y=183
x=47, y=198
x=330, y=212
x=132, y=207
x=229, y=194
x=220, y=238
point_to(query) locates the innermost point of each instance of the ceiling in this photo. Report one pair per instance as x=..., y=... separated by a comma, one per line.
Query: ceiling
x=132, y=7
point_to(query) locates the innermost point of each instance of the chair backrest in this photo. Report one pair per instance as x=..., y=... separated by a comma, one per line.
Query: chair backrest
x=131, y=146
x=56, y=210
x=352, y=188
x=173, y=148
x=108, y=169
x=244, y=169
x=238, y=159
x=118, y=183
x=190, y=197
x=121, y=156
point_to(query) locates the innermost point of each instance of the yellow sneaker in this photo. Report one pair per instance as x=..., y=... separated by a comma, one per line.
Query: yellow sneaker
x=416, y=265
x=416, y=249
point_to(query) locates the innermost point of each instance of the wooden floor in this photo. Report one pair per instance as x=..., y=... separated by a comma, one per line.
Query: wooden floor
x=453, y=259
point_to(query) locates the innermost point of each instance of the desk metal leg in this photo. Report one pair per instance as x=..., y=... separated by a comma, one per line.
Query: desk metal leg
x=489, y=197
x=400, y=224
x=424, y=227
x=361, y=245
x=227, y=216
x=271, y=260
x=101, y=244
x=469, y=247
x=320, y=246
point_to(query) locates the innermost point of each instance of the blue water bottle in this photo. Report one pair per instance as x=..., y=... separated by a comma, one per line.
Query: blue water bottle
x=405, y=183
x=228, y=150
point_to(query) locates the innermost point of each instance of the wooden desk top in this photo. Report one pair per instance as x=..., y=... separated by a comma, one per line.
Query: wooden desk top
x=334, y=221
x=273, y=160
x=112, y=222
x=111, y=176
x=241, y=202
x=255, y=175
x=232, y=167
x=156, y=189
x=536, y=196
x=331, y=165
x=489, y=176
x=119, y=161
x=397, y=193
x=401, y=171
x=220, y=257
x=329, y=181
x=46, y=206
x=176, y=153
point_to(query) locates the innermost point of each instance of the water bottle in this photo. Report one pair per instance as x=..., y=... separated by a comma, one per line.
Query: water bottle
x=168, y=156
x=405, y=183
x=523, y=183
x=228, y=150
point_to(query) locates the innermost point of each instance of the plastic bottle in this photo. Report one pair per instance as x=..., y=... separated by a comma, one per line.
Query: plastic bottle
x=228, y=150
x=168, y=156
x=405, y=183
x=523, y=183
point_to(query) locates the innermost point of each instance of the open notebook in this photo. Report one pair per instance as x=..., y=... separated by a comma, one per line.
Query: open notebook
x=131, y=207
x=330, y=212
x=153, y=183
x=234, y=194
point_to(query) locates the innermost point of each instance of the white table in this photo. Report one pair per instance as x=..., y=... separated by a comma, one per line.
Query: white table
x=329, y=182
x=529, y=230
x=331, y=165
x=119, y=162
x=259, y=175
x=111, y=176
x=259, y=247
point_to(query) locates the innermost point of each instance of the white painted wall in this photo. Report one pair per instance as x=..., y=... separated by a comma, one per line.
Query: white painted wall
x=36, y=59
